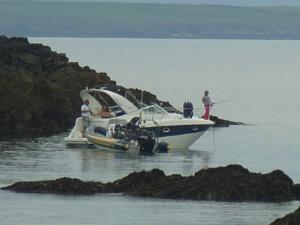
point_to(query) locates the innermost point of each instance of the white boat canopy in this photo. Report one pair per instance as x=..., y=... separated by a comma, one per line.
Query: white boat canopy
x=98, y=97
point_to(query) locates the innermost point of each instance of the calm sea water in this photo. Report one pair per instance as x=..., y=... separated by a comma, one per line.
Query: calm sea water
x=262, y=80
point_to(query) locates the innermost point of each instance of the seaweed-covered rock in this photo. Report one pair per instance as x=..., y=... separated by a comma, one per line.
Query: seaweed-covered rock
x=290, y=219
x=230, y=183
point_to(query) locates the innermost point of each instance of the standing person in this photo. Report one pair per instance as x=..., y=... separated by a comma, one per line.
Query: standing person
x=85, y=115
x=207, y=104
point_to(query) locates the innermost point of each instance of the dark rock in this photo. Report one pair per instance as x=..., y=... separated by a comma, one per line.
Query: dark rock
x=230, y=183
x=69, y=186
x=296, y=191
x=223, y=123
x=290, y=219
x=40, y=88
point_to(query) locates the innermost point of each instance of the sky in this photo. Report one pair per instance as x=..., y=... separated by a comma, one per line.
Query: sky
x=219, y=2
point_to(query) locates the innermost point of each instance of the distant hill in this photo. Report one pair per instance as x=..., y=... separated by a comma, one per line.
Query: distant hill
x=95, y=19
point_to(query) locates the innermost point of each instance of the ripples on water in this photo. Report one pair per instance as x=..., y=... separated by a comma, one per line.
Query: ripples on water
x=115, y=209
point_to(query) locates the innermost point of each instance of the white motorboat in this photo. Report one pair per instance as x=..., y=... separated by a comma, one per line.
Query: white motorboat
x=172, y=128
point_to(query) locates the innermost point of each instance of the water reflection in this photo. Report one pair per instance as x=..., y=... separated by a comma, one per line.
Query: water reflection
x=112, y=163
x=49, y=158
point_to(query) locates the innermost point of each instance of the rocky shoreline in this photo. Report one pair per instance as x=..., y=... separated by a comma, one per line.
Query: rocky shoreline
x=230, y=183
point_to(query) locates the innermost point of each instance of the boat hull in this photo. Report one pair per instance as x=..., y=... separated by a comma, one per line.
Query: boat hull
x=183, y=141
x=179, y=141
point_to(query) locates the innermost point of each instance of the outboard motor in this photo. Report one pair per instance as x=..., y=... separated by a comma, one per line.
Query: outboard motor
x=146, y=144
x=188, y=110
x=162, y=147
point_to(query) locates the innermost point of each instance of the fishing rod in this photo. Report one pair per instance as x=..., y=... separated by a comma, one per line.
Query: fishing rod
x=224, y=101
x=180, y=109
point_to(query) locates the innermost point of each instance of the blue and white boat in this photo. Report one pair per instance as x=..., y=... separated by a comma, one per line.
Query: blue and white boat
x=173, y=128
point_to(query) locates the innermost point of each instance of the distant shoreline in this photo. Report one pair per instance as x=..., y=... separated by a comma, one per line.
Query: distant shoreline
x=141, y=20
x=145, y=38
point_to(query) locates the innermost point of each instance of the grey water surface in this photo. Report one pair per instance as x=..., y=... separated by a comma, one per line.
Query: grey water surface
x=261, y=80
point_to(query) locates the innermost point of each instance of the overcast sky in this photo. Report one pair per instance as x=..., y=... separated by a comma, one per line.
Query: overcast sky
x=223, y=2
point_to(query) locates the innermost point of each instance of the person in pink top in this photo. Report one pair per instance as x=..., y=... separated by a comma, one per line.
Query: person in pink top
x=207, y=105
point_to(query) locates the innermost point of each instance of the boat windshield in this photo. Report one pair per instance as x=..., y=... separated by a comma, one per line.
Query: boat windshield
x=154, y=109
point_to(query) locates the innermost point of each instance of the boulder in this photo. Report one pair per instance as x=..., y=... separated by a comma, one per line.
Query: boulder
x=230, y=183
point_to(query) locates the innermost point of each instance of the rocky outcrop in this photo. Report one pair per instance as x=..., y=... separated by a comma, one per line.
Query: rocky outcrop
x=224, y=123
x=39, y=88
x=230, y=183
x=290, y=219
x=64, y=185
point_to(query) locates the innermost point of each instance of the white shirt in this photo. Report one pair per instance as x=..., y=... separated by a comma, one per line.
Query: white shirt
x=84, y=108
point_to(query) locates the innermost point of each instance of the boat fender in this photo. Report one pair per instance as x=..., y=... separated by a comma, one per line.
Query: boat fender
x=162, y=147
